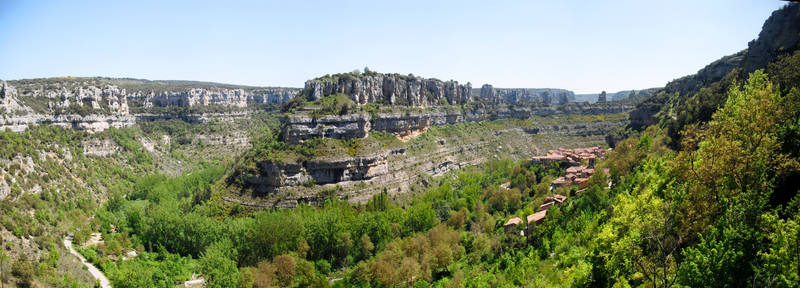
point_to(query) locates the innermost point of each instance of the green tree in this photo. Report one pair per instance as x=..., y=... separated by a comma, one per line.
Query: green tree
x=218, y=265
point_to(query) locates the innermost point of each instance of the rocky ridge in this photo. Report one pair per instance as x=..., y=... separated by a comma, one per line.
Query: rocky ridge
x=95, y=104
x=283, y=185
x=298, y=128
x=390, y=89
x=525, y=95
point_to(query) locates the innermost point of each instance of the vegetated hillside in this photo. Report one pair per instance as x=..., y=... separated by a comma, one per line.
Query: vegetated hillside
x=53, y=180
x=358, y=150
x=703, y=216
x=692, y=99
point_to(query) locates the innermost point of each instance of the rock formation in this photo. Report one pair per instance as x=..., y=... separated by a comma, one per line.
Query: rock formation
x=94, y=104
x=390, y=89
x=298, y=128
x=219, y=96
x=488, y=94
x=602, y=97
x=524, y=95
x=198, y=96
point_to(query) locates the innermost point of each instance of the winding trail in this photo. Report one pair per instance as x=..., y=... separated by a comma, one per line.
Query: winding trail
x=95, y=272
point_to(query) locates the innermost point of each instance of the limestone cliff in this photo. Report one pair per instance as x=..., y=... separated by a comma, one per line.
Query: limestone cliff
x=525, y=95
x=95, y=104
x=398, y=169
x=390, y=89
x=298, y=128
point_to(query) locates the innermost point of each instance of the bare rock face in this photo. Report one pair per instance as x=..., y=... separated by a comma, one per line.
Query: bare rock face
x=272, y=95
x=8, y=99
x=204, y=96
x=273, y=174
x=300, y=128
x=199, y=96
x=779, y=35
x=494, y=95
x=89, y=96
x=488, y=94
x=602, y=97
x=109, y=95
x=90, y=123
x=391, y=89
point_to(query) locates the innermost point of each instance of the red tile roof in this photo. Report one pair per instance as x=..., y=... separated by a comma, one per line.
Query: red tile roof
x=537, y=217
x=513, y=221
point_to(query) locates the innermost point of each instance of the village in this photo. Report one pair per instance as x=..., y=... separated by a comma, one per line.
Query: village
x=580, y=166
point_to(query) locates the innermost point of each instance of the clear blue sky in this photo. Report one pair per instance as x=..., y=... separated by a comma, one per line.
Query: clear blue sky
x=586, y=46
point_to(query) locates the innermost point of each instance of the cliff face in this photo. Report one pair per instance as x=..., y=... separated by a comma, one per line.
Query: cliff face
x=300, y=128
x=95, y=104
x=198, y=96
x=110, y=96
x=395, y=170
x=525, y=95
x=391, y=89
x=83, y=107
x=219, y=96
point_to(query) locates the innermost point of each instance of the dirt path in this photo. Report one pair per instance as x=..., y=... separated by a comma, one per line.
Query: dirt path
x=95, y=272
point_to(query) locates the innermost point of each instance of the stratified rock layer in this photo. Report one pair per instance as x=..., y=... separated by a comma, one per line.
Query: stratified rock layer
x=298, y=128
x=390, y=89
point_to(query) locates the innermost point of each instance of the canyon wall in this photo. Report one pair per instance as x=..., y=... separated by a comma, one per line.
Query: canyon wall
x=284, y=184
x=298, y=128
x=390, y=89
x=525, y=95
x=96, y=104
x=216, y=96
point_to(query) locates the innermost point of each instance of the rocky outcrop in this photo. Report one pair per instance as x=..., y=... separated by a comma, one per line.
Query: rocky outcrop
x=193, y=118
x=77, y=96
x=602, y=97
x=198, y=96
x=525, y=95
x=100, y=148
x=110, y=95
x=95, y=104
x=276, y=95
x=390, y=89
x=274, y=174
x=218, y=96
x=8, y=100
x=397, y=169
x=299, y=128
x=91, y=123
x=488, y=94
